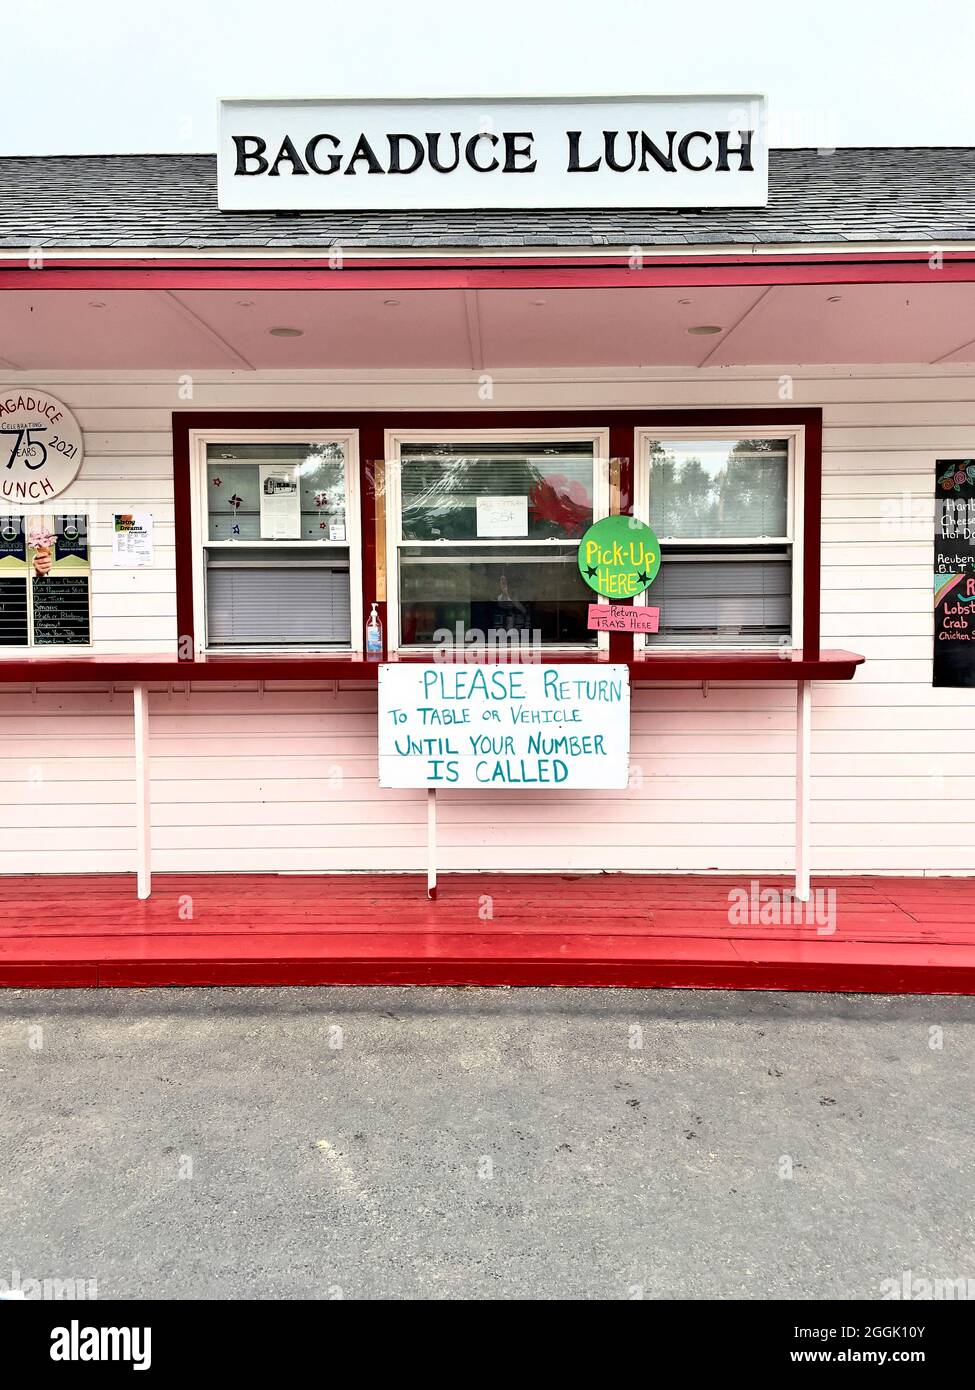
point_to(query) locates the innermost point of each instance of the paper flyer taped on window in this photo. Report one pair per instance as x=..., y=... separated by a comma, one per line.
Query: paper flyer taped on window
x=280, y=503
x=502, y=516
x=132, y=540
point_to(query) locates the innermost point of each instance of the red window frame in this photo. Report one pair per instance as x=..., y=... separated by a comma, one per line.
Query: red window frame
x=371, y=426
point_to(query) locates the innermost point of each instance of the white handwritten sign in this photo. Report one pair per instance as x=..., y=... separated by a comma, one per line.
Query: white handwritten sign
x=502, y=516
x=537, y=728
x=623, y=617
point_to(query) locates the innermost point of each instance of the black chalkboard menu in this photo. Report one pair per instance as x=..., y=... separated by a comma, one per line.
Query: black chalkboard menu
x=45, y=581
x=954, y=573
x=14, y=629
x=60, y=610
x=13, y=612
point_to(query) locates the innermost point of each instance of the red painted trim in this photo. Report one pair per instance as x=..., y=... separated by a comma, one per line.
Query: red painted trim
x=43, y=976
x=483, y=258
x=875, y=976
x=372, y=446
x=383, y=258
x=182, y=516
x=621, y=447
x=812, y=509
x=556, y=272
x=621, y=424
x=653, y=666
x=798, y=665
x=582, y=416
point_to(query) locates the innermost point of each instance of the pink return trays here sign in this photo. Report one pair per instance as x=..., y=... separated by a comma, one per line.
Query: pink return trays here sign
x=623, y=617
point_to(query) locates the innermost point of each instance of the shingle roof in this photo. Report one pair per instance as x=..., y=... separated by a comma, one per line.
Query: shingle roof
x=159, y=200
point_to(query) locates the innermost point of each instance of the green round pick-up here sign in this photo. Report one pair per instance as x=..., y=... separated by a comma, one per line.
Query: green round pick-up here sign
x=619, y=556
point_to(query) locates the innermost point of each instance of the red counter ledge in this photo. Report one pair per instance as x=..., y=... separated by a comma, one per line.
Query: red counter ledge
x=652, y=666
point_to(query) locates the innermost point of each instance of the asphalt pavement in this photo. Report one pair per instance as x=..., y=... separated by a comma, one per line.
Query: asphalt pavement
x=484, y=1143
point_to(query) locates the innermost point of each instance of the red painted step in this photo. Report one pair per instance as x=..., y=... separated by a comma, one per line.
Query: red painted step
x=895, y=935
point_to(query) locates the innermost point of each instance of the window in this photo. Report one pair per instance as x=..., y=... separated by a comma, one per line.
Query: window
x=483, y=532
x=279, y=530
x=724, y=512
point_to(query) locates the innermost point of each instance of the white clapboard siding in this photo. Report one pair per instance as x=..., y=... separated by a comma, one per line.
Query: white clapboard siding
x=285, y=780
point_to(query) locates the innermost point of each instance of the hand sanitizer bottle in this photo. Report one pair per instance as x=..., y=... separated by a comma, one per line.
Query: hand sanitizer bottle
x=374, y=634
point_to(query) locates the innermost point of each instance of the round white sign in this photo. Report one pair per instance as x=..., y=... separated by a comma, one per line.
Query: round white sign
x=41, y=446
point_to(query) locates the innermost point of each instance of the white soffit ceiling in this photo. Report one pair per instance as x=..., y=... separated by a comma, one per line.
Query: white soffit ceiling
x=467, y=329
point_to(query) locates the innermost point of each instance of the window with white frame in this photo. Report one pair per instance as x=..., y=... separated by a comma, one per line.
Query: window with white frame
x=723, y=508
x=280, y=559
x=483, y=531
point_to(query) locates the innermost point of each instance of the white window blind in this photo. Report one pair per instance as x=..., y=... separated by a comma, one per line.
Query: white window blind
x=734, y=600
x=281, y=602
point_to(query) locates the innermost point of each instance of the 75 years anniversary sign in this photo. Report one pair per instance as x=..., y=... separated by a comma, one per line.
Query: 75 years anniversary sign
x=535, y=728
x=41, y=446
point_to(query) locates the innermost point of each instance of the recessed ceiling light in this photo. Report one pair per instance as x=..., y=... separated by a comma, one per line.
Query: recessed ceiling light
x=539, y=303
x=683, y=301
x=704, y=330
x=245, y=303
x=96, y=304
x=392, y=303
x=286, y=332
x=833, y=298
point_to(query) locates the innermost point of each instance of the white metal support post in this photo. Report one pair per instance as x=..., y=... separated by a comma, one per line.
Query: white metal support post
x=803, y=740
x=431, y=842
x=143, y=828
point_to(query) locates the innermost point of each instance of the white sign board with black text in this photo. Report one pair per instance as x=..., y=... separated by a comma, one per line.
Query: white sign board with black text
x=530, y=728
x=496, y=152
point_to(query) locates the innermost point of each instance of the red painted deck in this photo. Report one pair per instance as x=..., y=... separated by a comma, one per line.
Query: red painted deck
x=898, y=935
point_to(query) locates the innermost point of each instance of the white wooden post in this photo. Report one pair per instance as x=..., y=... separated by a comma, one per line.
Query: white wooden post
x=431, y=842
x=143, y=828
x=803, y=740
